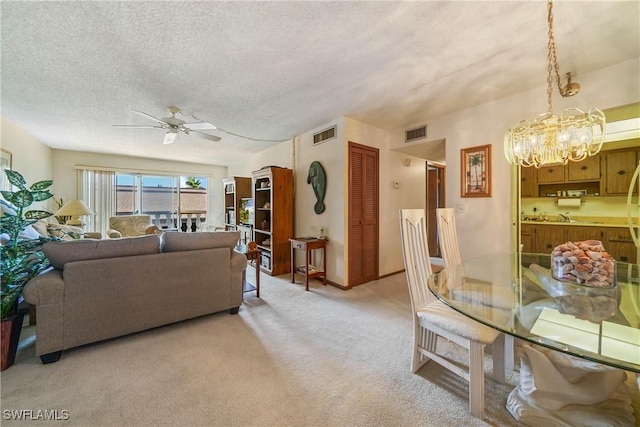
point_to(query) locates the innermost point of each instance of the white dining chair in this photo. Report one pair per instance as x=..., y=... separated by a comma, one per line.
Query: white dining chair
x=433, y=319
x=448, y=239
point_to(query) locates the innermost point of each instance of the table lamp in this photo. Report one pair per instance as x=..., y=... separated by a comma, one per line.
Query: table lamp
x=74, y=209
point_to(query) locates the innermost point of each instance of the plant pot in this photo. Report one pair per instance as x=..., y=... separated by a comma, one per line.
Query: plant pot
x=11, y=328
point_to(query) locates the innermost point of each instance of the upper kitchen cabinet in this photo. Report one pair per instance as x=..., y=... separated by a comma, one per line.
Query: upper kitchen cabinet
x=619, y=166
x=608, y=173
x=549, y=180
x=528, y=183
x=585, y=170
x=551, y=174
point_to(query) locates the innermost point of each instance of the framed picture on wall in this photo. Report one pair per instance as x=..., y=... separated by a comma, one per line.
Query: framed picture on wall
x=5, y=163
x=475, y=169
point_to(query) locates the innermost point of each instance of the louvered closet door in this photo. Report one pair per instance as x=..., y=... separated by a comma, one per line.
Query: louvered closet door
x=363, y=214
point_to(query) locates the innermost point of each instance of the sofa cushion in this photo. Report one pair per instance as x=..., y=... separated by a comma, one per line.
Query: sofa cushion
x=60, y=253
x=175, y=241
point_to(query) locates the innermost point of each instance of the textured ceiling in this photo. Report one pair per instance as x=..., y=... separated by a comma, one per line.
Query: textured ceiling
x=273, y=70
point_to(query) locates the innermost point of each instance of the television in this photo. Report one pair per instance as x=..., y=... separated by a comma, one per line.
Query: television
x=245, y=214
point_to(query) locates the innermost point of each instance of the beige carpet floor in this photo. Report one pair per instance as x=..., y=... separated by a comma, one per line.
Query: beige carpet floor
x=327, y=357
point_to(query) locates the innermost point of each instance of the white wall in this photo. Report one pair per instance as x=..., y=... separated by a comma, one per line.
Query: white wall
x=65, y=184
x=30, y=157
x=331, y=156
x=280, y=155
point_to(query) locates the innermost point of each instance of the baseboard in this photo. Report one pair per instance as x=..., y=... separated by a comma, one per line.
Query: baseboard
x=339, y=286
x=390, y=274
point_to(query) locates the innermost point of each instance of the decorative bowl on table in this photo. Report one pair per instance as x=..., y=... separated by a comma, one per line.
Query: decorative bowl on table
x=583, y=281
x=584, y=263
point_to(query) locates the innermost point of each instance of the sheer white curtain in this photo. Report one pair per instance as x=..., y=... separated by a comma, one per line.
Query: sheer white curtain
x=98, y=190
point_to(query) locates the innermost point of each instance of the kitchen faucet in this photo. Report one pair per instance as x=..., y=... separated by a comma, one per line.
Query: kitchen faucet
x=566, y=216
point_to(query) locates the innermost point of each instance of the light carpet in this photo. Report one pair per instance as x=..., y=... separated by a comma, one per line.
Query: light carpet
x=327, y=357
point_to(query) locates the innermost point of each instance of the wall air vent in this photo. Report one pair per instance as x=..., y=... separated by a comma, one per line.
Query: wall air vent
x=414, y=134
x=325, y=135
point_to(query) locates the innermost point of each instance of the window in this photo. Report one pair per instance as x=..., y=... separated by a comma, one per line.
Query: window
x=172, y=201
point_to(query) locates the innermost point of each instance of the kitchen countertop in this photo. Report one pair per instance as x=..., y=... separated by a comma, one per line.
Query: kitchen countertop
x=600, y=222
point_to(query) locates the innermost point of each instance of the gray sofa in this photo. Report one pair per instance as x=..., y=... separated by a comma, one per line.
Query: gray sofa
x=101, y=289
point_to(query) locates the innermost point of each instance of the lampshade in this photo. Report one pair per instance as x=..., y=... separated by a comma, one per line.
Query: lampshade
x=552, y=139
x=75, y=209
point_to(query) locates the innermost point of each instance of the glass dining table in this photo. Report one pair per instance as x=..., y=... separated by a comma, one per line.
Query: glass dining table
x=579, y=341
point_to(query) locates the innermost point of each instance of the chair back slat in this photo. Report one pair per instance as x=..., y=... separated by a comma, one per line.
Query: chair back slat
x=415, y=251
x=448, y=237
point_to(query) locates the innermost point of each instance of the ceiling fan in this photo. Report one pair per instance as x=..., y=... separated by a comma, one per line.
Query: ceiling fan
x=173, y=125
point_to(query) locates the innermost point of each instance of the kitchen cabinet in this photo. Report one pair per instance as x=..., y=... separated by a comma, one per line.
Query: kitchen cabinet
x=551, y=174
x=542, y=238
x=548, y=237
x=584, y=170
x=608, y=173
x=528, y=182
x=619, y=166
x=527, y=238
x=575, y=233
x=548, y=180
x=619, y=244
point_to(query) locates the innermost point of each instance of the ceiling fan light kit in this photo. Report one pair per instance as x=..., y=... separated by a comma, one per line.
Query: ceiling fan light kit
x=174, y=125
x=552, y=139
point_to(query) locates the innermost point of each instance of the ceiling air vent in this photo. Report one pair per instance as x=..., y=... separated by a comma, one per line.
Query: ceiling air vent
x=413, y=134
x=325, y=135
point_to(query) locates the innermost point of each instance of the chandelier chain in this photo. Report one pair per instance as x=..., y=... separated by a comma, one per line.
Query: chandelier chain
x=552, y=59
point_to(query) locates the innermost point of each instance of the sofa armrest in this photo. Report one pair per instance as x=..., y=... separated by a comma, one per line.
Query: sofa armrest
x=238, y=262
x=46, y=292
x=46, y=288
x=113, y=234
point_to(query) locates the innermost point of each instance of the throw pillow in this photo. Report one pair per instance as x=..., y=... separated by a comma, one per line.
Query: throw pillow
x=28, y=233
x=65, y=232
x=153, y=229
x=41, y=226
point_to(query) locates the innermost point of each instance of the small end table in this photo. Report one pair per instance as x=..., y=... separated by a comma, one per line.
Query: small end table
x=308, y=244
x=252, y=255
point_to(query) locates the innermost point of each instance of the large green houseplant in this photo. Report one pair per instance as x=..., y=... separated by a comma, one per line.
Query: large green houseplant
x=20, y=258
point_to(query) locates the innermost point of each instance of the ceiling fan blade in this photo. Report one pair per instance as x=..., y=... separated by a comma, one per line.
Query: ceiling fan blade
x=138, y=126
x=199, y=126
x=206, y=136
x=170, y=138
x=148, y=116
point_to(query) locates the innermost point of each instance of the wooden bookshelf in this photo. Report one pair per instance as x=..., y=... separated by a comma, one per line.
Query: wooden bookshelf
x=235, y=188
x=273, y=217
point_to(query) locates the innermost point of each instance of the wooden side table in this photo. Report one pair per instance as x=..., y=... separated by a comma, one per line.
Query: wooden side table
x=252, y=255
x=309, y=244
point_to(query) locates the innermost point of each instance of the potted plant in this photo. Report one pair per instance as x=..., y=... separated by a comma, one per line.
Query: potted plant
x=21, y=258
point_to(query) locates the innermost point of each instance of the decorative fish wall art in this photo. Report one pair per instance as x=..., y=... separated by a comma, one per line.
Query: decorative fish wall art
x=318, y=180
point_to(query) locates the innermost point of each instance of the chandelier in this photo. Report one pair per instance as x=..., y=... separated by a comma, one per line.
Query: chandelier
x=551, y=139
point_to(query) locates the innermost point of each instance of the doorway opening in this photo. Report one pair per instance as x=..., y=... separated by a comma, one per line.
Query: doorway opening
x=435, y=198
